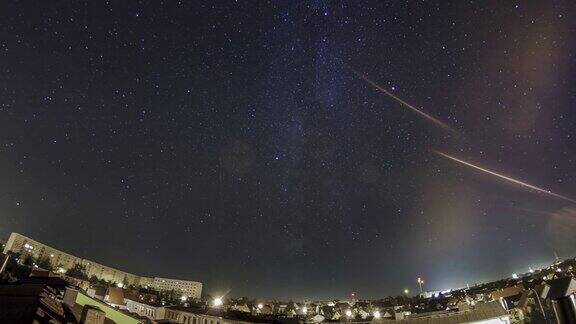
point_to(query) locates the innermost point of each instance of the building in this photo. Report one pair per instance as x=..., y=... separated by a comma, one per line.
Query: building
x=189, y=289
x=195, y=315
x=151, y=310
x=483, y=313
x=82, y=305
x=63, y=261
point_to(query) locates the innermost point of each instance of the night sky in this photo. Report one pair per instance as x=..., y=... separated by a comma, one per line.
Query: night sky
x=230, y=142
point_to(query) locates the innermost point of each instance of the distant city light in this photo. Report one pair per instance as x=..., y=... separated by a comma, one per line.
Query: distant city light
x=377, y=315
x=217, y=302
x=558, y=270
x=51, y=255
x=260, y=306
x=406, y=291
x=531, y=270
x=304, y=310
x=120, y=285
x=348, y=313
x=514, y=276
x=183, y=298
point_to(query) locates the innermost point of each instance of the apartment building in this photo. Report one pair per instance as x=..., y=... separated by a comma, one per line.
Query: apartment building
x=63, y=261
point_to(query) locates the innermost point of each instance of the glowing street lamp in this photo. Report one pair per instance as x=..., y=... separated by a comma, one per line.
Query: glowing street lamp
x=348, y=313
x=514, y=276
x=183, y=298
x=120, y=285
x=406, y=292
x=304, y=310
x=217, y=302
x=260, y=306
x=377, y=314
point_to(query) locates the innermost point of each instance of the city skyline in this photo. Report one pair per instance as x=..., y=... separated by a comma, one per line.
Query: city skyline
x=292, y=149
x=23, y=245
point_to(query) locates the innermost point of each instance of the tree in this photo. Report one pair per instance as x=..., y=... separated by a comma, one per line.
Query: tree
x=97, y=281
x=170, y=296
x=43, y=262
x=16, y=269
x=125, y=282
x=27, y=260
x=78, y=271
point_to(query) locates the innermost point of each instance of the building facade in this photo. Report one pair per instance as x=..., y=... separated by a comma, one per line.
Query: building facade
x=183, y=315
x=189, y=289
x=152, y=311
x=62, y=261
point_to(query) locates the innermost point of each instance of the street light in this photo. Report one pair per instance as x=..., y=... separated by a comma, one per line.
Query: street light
x=304, y=310
x=260, y=306
x=217, y=302
x=406, y=292
x=377, y=315
x=348, y=313
x=183, y=298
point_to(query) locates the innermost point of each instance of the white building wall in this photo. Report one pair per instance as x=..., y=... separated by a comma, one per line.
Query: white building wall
x=183, y=317
x=18, y=243
x=152, y=312
x=24, y=245
x=190, y=289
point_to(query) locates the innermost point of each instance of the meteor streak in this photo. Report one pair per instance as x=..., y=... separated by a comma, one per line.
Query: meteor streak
x=404, y=103
x=524, y=184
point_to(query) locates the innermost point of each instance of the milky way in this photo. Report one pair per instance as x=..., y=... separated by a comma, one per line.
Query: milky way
x=225, y=142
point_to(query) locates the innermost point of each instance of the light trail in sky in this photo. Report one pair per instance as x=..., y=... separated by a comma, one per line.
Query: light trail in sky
x=501, y=176
x=401, y=101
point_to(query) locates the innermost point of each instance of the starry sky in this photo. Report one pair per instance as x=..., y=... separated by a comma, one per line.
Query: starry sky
x=231, y=142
